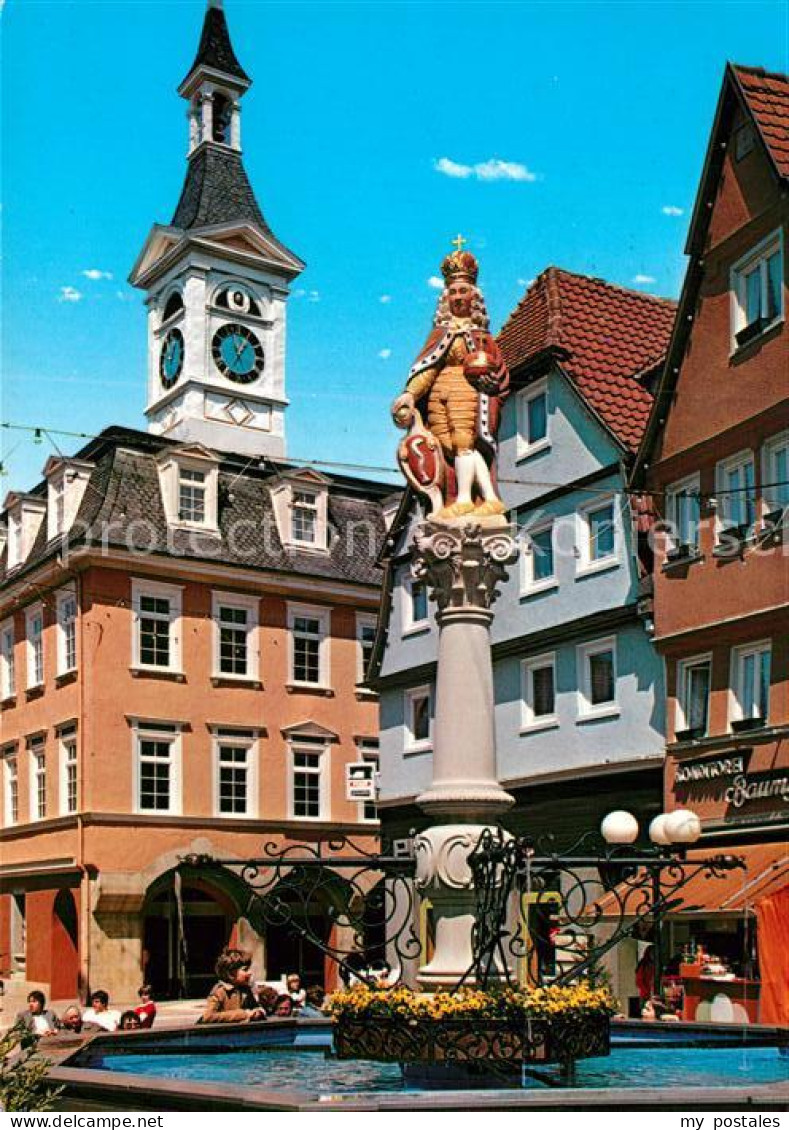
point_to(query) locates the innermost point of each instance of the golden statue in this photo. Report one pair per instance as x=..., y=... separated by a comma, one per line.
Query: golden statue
x=457, y=384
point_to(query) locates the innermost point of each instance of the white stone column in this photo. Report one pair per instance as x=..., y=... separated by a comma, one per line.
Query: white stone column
x=463, y=566
x=235, y=125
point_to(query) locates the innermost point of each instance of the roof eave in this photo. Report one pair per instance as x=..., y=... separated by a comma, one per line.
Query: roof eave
x=203, y=72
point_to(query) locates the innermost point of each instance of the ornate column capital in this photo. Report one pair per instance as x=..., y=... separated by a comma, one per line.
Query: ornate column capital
x=463, y=564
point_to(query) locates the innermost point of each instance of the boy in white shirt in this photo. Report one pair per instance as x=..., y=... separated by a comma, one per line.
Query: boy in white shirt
x=100, y=1013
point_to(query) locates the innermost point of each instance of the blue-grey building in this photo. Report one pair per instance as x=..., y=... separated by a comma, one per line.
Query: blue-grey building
x=578, y=684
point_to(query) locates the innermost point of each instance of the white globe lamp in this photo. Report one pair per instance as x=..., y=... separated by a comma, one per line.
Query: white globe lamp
x=619, y=828
x=682, y=826
x=658, y=833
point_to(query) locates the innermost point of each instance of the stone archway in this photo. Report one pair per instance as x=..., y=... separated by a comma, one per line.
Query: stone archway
x=187, y=918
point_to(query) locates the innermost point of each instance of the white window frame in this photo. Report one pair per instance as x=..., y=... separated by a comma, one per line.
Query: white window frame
x=322, y=751
x=157, y=590
x=689, y=486
x=681, y=714
x=722, y=468
x=240, y=739
x=410, y=625
x=524, y=448
x=7, y=659
x=34, y=654
x=171, y=465
x=64, y=598
x=369, y=751
x=528, y=583
x=37, y=748
x=251, y=605
x=738, y=654
x=10, y=785
x=67, y=740
x=144, y=729
x=363, y=620
x=755, y=259
x=587, y=710
x=311, y=504
x=412, y=744
x=323, y=615
x=197, y=488
x=771, y=446
x=586, y=563
x=530, y=722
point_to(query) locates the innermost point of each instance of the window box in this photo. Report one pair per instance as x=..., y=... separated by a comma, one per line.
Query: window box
x=742, y=725
x=691, y=735
x=774, y=520
x=749, y=332
x=677, y=553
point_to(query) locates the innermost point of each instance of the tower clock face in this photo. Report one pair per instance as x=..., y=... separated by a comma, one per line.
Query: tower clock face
x=171, y=358
x=237, y=353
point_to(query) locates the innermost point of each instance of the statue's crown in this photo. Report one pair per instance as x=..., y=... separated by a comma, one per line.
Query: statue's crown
x=460, y=264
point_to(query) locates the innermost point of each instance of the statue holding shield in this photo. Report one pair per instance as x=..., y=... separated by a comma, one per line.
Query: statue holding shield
x=452, y=402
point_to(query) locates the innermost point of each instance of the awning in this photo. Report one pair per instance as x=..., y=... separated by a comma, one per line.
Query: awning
x=734, y=892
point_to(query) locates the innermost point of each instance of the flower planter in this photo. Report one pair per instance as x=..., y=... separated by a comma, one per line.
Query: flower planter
x=395, y=1039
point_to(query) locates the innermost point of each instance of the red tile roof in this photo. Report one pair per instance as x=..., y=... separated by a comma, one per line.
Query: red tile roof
x=767, y=97
x=610, y=337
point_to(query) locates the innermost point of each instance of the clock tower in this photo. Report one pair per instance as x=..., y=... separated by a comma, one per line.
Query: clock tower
x=216, y=279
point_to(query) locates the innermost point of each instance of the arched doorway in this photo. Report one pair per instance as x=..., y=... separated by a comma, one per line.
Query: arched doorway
x=305, y=912
x=186, y=922
x=64, y=981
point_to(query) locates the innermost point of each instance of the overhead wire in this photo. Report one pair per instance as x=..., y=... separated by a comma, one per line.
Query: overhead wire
x=342, y=465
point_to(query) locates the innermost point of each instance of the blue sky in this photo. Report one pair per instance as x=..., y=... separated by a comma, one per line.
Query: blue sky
x=368, y=134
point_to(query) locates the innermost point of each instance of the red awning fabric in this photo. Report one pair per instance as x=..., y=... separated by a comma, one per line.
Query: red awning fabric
x=735, y=892
x=772, y=940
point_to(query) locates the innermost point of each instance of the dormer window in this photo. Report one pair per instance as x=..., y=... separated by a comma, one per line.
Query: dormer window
x=25, y=515
x=757, y=290
x=301, y=508
x=67, y=481
x=189, y=478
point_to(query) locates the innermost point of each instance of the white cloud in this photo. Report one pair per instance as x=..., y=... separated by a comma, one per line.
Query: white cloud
x=124, y=295
x=672, y=210
x=314, y=296
x=643, y=279
x=94, y=274
x=384, y=354
x=435, y=282
x=70, y=294
x=385, y=299
x=492, y=169
x=524, y=282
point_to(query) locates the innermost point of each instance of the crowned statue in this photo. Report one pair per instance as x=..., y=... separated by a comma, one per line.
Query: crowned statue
x=452, y=403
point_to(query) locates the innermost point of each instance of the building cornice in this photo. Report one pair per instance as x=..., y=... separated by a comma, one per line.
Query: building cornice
x=722, y=623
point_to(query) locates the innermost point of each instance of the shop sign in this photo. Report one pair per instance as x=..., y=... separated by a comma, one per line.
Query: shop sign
x=726, y=779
